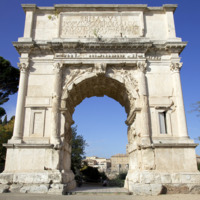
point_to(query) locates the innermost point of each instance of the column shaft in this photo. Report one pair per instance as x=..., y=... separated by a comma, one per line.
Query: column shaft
x=55, y=134
x=19, y=116
x=144, y=99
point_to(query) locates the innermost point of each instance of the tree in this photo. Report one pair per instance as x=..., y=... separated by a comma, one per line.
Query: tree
x=5, y=134
x=9, y=81
x=2, y=112
x=78, y=149
x=5, y=121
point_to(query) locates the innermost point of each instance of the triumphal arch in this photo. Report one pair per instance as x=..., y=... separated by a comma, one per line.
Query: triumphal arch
x=127, y=52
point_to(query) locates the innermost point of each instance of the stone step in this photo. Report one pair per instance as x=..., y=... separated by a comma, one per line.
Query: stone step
x=99, y=190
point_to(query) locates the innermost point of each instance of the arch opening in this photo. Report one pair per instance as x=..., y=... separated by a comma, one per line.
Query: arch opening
x=77, y=91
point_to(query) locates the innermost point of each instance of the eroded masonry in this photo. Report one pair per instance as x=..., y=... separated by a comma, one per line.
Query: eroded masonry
x=127, y=52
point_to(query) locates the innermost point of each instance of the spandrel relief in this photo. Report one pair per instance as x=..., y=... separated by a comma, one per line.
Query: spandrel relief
x=128, y=77
x=73, y=72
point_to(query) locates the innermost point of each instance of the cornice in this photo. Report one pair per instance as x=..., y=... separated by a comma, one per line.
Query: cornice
x=101, y=7
x=51, y=47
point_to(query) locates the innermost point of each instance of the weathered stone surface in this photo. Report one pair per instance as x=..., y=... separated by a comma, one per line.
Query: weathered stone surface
x=57, y=189
x=141, y=189
x=6, y=178
x=4, y=188
x=147, y=177
x=42, y=188
x=166, y=178
x=15, y=188
x=31, y=177
x=156, y=189
x=195, y=189
x=177, y=188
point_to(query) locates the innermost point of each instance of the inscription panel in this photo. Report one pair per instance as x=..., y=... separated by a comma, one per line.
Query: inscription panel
x=106, y=25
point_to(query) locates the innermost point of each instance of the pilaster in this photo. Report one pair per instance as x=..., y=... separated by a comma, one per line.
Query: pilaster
x=29, y=20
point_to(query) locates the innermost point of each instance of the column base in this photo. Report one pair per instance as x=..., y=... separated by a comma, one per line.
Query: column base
x=15, y=140
x=51, y=182
x=155, y=183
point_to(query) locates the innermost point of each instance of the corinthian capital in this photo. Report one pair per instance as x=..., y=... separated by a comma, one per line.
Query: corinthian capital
x=141, y=65
x=57, y=66
x=175, y=67
x=23, y=67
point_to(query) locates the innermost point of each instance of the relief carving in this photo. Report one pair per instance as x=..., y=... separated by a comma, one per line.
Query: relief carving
x=131, y=133
x=130, y=82
x=72, y=73
x=100, y=68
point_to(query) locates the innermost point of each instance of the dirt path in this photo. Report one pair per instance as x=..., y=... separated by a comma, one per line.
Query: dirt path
x=11, y=196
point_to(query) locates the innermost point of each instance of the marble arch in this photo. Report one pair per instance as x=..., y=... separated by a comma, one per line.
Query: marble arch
x=128, y=52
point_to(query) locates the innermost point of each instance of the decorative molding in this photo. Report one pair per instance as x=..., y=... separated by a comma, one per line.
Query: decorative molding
x=37, y=122
x=93, y=45
x=34, y=146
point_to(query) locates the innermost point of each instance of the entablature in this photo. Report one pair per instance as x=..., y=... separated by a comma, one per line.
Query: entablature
x=92, y=47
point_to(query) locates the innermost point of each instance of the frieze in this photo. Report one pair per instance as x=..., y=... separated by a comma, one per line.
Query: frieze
x=98, y=25
x=153, y=58
x=97, y=56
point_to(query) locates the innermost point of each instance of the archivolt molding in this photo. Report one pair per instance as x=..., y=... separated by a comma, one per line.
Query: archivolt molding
x=117, y=82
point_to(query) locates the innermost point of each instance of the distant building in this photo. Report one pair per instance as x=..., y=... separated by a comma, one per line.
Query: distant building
x=102, y=164
x=119, y=163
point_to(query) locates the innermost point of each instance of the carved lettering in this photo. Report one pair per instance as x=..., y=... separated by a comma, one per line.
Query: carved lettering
x=100, y=25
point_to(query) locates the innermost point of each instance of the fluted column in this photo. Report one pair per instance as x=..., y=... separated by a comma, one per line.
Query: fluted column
x=182, y=127
x=19, y=116
x=145, y=129
x=55, y=131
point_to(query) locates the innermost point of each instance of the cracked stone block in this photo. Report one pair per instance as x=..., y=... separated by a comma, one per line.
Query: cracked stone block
x=35, y=188
x=4, y=188
x=195, y=189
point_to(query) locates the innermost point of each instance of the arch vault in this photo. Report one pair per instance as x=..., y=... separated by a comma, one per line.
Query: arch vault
x=127, y=52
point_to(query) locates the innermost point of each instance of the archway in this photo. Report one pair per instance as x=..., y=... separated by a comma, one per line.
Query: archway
x=90, y=84
x=94, y=50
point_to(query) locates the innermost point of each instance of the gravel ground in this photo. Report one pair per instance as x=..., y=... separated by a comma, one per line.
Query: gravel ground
x=12, y=196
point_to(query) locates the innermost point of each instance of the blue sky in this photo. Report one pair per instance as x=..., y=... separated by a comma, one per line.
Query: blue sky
x=101, y=120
